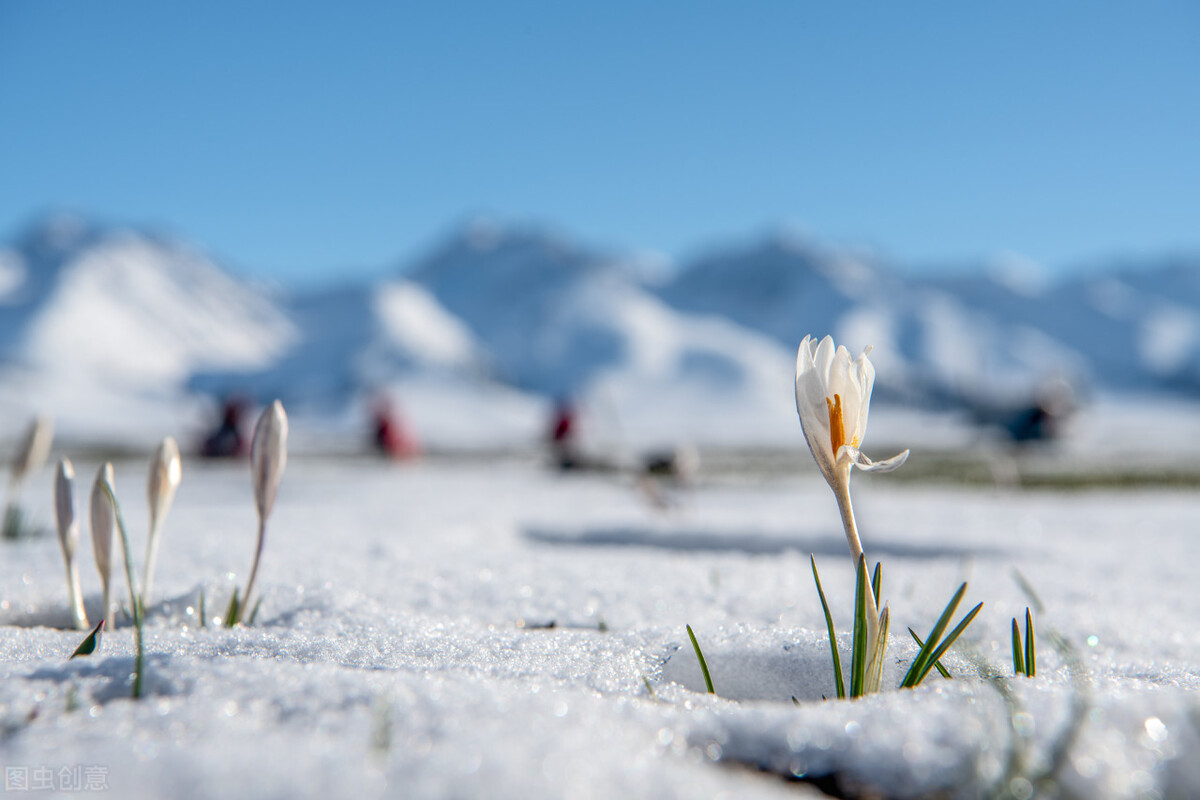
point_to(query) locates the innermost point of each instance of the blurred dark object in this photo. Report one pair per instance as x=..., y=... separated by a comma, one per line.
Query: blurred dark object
x=227, y=441
x=563, y=447
x=679, y=464
x=666, y=473
x=393, y=438
x=1040, y=418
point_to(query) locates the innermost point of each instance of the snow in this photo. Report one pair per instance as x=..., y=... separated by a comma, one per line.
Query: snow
x=1167, y=338
x=405, y=647
x=415, y=321
x=125, y=319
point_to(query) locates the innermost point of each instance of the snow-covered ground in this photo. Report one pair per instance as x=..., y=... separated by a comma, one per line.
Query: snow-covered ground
x=468, y=628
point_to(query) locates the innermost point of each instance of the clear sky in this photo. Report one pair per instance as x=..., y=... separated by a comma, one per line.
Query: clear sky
x=302, y=141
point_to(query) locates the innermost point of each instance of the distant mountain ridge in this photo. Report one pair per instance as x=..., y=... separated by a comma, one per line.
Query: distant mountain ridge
x=520, y=310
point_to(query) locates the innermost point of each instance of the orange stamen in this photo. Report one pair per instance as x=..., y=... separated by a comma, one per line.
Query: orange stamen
x=837, y=426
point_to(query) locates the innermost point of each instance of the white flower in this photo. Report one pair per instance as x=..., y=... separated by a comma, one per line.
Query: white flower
x=68, y=537
x=833, y=395
x=268, y=456
x=103, y=520
x=64, y=507
x=166, y=471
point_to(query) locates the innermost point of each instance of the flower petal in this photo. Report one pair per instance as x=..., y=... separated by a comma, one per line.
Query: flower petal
x=887, y=465
x=862, y=373
x=839, y=383
x=823, y=358
x=812, y=409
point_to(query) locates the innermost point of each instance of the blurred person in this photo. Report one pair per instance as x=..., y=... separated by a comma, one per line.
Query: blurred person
x=1041, y=417
x=392, y=437
x=665, y=474
x=226, y=440
x=563, y=435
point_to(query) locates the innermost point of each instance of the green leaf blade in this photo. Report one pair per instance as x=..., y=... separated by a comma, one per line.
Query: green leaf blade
x=858, y=654
x=945, y=673
x=703, y=664
x=1018, y=657
x=837, y=661
x=231, y=615
x=90, y=643
x=920, y=663
x=950, y=639
x=1030, y=646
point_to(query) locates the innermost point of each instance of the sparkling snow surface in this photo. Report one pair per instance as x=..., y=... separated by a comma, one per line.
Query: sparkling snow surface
x=490, y=629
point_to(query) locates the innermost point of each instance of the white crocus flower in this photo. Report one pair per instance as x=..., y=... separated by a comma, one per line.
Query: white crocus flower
x=268, y=457
x=166, y=471
x=68, y=537
x=103, y=521
x=833, y=395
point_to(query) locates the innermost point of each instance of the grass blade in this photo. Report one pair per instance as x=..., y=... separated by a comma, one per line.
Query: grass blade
x=703, y=663
x=877, y=581
x=1030, y=646
x=135, y=599
x=231, y=615
x=858, y=653
x=837, y=661
x=90, y=643
x=937, y=664
x=950, y=639
x=203, y=611
x=1018, y=658
x=920, y=663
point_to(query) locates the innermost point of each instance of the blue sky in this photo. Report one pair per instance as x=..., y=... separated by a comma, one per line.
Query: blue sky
x=310, y=141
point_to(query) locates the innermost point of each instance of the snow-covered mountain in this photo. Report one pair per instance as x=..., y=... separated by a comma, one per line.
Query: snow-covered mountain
x=498, y=321
x=982, y=329
x=352, y=340
x=930, y=341
x=784, y=286
x=557, y=320
x=104, y=324
x=130, y=309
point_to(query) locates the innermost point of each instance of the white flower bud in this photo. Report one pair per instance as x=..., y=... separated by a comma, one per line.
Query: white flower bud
x=68, y=537
x=268, y=456
x=34, y=448
x=64, y=508
x=103, y=522
x=166, y=471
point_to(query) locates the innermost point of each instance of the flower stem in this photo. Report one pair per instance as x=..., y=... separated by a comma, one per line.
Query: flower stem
x=262, y=530
x=78, y=614
x=151, y=560
x=842, y=491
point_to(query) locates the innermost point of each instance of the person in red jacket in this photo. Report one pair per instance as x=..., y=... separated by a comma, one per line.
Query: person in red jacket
x=562, y=435
x=393, y=437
